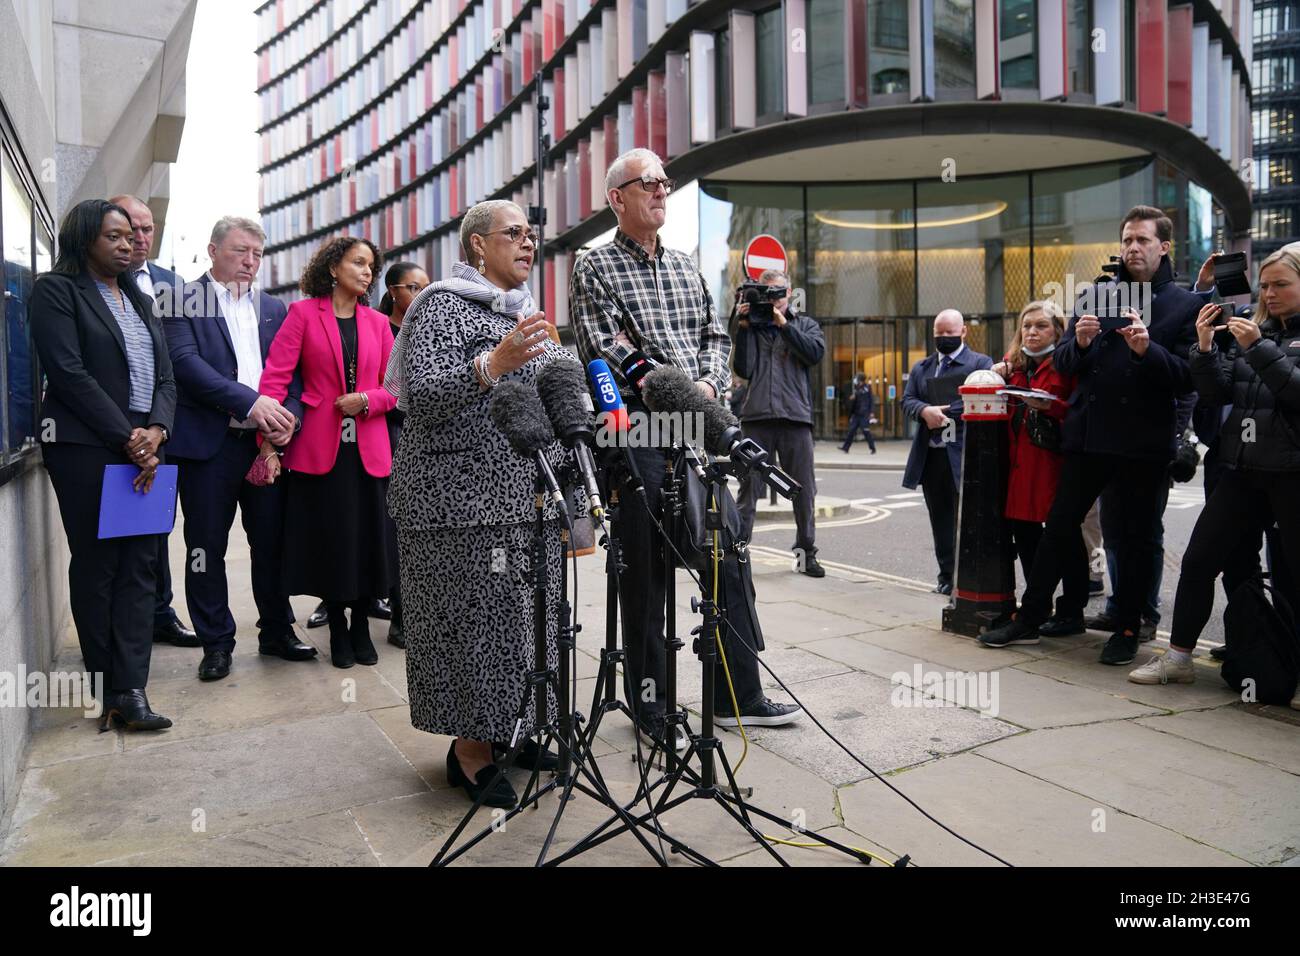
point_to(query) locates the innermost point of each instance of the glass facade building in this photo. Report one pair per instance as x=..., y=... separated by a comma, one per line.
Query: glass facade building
x=1276, y=85
x=823, y=122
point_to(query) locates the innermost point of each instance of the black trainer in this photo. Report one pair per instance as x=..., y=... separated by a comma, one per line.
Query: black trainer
x=1013, y=632
x=1101, y=622
x=1120, y=649
x=1219, y=653
x=1057, y=626
x=764, y=713
x=812, y=568
x=1147, y=631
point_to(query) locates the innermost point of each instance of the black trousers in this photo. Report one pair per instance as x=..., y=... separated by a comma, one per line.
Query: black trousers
x=856, y=423
x=642, y=589
x=111, y=582
x=164, y=613
x=1242, y=503
x=1027, y=537
x=1243, y=564
x=791, y=446
x=1083, y=479
x=210, y=491
x=939, y=487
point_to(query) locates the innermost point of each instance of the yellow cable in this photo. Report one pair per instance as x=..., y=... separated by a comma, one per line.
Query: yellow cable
x=823, y=846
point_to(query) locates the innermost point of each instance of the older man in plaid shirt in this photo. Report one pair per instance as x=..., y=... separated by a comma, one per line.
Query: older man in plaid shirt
x=633, y=294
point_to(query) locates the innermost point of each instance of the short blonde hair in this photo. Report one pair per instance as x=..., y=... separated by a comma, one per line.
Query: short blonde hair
x=1289, y=256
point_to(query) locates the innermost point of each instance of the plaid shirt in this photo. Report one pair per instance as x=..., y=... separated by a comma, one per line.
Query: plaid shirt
x=660, y=301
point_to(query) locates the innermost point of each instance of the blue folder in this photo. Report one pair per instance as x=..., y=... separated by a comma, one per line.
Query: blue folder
x=123, y=511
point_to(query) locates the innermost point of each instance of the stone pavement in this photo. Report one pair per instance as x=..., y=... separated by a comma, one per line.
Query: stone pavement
x=302, y=764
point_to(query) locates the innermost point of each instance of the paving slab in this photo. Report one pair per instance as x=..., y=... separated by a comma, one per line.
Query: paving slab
x=1241, y=806
x=102, y=808
x=327, y=839
x=1081, y=667
x=949, y=650
x=1237, y=731
x=1025, y=820
x=795, y=622
x=793, y=665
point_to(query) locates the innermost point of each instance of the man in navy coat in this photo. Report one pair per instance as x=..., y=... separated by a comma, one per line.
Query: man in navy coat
x=160, y=286
x=219, y=339
x=934, y=462
x=1119, y=433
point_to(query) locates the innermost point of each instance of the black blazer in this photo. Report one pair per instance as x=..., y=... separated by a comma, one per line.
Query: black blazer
x=83, y=356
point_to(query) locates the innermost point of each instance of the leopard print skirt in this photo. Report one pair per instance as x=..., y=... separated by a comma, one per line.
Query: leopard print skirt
x=469, y=626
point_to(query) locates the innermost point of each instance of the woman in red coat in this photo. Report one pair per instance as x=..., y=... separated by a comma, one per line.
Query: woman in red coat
x=1035, y=456
x=338, y=463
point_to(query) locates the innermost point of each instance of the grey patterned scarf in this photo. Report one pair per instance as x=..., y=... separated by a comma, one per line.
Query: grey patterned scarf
x=466, y=282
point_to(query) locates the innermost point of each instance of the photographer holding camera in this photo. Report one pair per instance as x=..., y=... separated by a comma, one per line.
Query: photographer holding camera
x=774, y=349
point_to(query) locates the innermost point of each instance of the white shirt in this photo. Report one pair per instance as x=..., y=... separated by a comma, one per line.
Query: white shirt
x=143, y=280
x=241, y=322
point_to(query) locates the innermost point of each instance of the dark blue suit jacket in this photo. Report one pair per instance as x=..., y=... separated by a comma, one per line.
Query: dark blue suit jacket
x=916, y=397
x=209, y=393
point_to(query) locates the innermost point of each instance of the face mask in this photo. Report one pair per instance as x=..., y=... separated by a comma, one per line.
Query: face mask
x=1041, y=352
x=947, y=344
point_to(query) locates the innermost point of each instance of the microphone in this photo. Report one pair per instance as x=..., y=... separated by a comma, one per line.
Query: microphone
x=516, y=411
x=669, y=389
x=563, y=390
x=636, y=367
x=613, y=413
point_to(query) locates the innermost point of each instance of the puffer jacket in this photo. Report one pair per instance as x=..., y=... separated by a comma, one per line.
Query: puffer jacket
x=1262, y=383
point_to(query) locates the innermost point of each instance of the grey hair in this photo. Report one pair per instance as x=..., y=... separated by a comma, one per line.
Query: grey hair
x=479, y=219
x=769, y=274
x=617, y=172
x=228, y=224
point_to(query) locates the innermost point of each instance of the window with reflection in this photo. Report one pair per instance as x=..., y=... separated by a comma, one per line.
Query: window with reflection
x=771, y=62
x=19, y=410
x=1017, y=39
x=860, y=239
x=826, y=51
x=1077, y=215
x=887, y=53
x=730, y=215
x=954, y=44
x=1078, y=46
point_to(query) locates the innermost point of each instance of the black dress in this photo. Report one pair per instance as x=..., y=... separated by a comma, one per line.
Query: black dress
x=337, y=537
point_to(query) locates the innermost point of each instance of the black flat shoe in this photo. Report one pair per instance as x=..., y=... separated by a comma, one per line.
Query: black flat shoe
x=130, y=709
x=215, y=665
x=174, y=632
x=340, y=640
x=1219, y=653
x=530, y=757
x=363, y=651
x=397, y=635
x=381, y=609
x=286, y=646
x=319, y=617
x=500, y=795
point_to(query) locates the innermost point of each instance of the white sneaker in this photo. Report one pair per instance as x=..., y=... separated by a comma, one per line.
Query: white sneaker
x=1161, y=670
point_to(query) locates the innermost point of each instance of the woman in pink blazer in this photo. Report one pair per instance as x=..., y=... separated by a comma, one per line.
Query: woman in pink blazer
x=338, y=462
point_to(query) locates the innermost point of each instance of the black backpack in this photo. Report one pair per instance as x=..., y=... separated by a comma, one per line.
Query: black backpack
x=1262, y=642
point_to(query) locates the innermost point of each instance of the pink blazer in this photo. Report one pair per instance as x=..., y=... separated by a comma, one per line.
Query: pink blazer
x=309, y=340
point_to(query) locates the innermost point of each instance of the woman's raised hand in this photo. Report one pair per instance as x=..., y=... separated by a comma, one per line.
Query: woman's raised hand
x=518, y=346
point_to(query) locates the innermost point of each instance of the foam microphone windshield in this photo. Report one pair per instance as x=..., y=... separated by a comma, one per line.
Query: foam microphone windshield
x=517, y=413
x=562, y=386
x=669, y=389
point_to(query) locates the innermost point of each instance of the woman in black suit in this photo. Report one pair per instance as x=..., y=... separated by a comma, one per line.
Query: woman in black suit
x=109, y=401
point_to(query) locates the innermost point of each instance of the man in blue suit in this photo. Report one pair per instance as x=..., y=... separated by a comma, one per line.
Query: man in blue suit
x=160, y=286
x=934, y=462
x=219, y=339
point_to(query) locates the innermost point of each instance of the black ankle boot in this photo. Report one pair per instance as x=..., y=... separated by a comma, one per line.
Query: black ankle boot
x=130, y=709
x=363, y=651
x=340, y=641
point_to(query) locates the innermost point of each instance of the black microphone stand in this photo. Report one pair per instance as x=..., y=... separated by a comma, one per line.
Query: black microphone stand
x=703, y=785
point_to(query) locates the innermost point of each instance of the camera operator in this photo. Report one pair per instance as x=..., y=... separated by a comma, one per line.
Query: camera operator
x=775, y=348
x=633, y=294
x=1259, y=375
x=1118, y=433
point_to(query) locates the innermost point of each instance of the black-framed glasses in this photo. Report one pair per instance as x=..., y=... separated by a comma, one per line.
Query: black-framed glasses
x=649, y=184
x=517, y=234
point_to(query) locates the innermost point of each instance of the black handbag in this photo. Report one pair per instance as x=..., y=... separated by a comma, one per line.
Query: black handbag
x=692, y=537
x=1263, y=646
x=1043, y=430
x=1186, y=458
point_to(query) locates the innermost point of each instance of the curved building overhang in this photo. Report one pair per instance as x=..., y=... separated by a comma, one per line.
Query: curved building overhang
x=910, y=141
